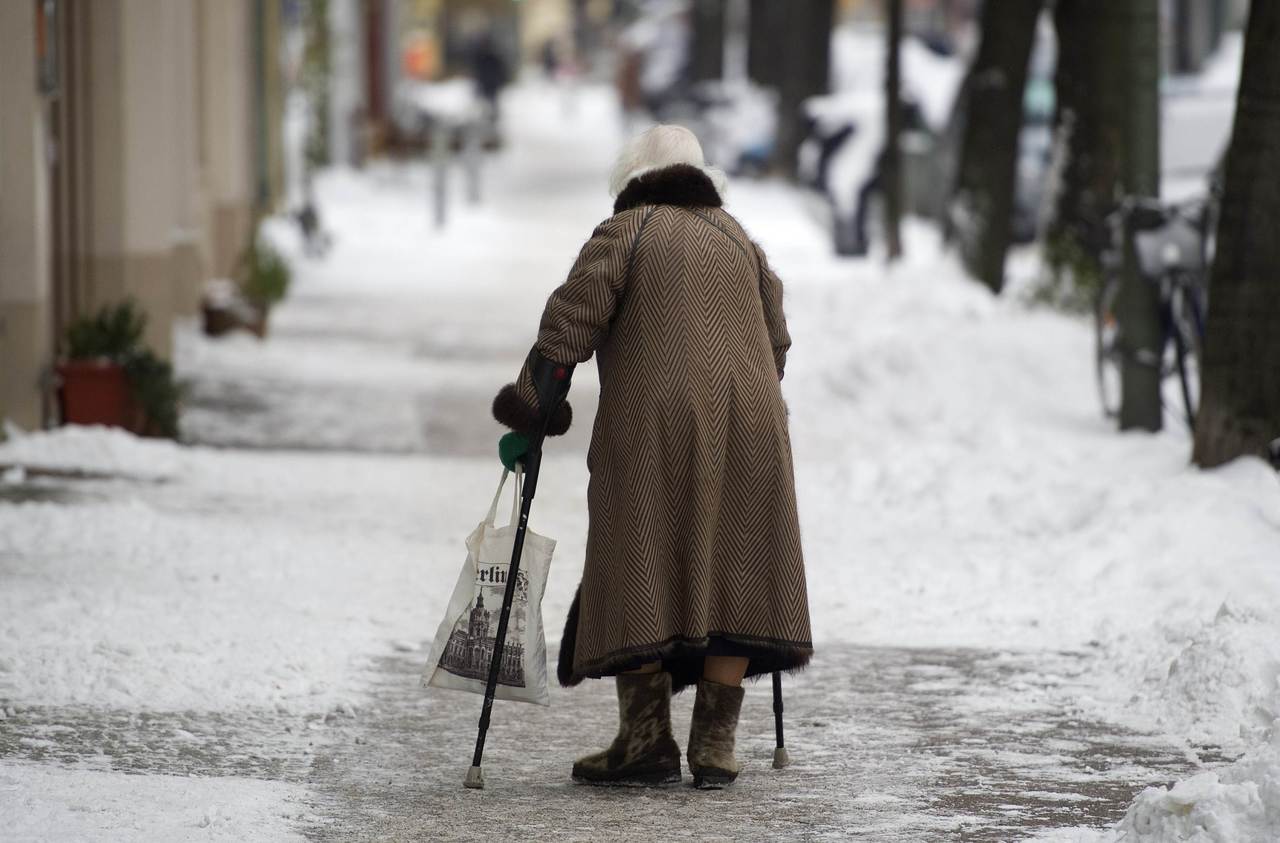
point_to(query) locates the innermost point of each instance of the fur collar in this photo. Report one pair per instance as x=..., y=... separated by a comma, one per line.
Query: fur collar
x=682, y=185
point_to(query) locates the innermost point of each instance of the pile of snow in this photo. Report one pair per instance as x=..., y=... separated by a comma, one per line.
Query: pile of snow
x=254, y=580
x=54, y=803
x=453, y=101
x=1221, y=71
x=950, y=452
x=91, y=450
x=1237, y=803
x=1215, y=682
x=929, y=79
x=1196, y=116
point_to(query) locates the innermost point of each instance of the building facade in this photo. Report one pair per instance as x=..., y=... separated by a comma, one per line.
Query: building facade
x=470, y=648
x=139, y=139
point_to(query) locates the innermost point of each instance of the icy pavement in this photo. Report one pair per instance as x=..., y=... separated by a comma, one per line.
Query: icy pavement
x=890, y=742
x=887, y=744
x=1022, y=619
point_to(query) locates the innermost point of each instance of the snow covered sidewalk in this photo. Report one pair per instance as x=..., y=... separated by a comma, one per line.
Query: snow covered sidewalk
x=1022, y=617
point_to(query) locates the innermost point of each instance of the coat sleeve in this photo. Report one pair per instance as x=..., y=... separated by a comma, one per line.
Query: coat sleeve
x=775, y=320
x=580, y=311
x=577, y=318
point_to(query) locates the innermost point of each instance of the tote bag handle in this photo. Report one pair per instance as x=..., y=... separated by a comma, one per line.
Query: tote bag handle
x=515, y=499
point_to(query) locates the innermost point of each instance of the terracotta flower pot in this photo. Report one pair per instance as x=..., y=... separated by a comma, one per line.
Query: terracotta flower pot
x=219, y=320
x=225, y=309
x=97, y=392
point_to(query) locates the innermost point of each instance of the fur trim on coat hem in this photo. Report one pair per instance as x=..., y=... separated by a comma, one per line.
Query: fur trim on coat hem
x=519, y=415
x=680, y=656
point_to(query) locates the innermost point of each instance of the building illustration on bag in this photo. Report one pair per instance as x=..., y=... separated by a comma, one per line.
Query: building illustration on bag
x=470, y=647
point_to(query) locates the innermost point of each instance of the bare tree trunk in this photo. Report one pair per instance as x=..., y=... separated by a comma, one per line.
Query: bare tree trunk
x=1135, y=37
x=1108, y=125
x=707, y=49
x=891, y=168
x=1088, y=145
x=1240, y=404
x=790, y=50
x=982, y=204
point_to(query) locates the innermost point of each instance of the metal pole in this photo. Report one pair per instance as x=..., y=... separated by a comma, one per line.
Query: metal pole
x=440, y=168
x=471, y=159
x=891, y=171
x=780, y=757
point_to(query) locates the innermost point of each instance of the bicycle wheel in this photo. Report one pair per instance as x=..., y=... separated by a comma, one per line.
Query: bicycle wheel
x=1186, y=327
x=1106, y=348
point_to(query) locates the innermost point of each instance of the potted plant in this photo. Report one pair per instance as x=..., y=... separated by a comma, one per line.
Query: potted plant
x=264, y=281
x=110, y=377
x=224, y=309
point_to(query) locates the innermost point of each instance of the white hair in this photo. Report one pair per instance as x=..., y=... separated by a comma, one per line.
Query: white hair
x=659, y=147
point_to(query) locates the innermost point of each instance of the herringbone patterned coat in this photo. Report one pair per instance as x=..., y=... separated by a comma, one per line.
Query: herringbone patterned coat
x=694, y=544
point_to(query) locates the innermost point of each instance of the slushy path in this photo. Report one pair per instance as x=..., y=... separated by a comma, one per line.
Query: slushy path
x=359, y=438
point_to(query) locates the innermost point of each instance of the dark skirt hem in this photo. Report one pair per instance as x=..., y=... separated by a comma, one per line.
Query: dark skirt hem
x=682, y=656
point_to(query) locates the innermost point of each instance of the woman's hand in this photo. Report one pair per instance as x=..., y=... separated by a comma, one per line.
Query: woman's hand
x=512, y=449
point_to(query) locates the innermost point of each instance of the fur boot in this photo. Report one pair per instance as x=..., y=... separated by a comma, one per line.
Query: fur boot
x=715, y=720
x=645, y=752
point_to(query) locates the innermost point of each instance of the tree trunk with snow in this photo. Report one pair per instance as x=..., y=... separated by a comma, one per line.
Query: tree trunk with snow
x=1135, y=41
x=1240, y=405
x=1076, y=220
x=1108, y=66
x=891, y=168
x=706, y=59
x=790, y=51
x=1109, y=129
x=982, y=205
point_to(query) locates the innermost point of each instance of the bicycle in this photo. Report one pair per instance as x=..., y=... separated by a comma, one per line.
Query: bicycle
x=1173, y=248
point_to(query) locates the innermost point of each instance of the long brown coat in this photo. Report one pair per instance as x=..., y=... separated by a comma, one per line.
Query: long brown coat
x=694, y=543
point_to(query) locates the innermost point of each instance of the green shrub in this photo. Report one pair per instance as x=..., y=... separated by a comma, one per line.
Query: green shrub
x=266, y=277
x=115, y=333
x=156, y=391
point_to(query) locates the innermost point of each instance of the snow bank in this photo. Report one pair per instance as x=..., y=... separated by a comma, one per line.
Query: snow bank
x=253, y=581
x=91, y=450
x=1214, y=682
x=930, y=79
x=958, y=486
x=50, y=803
x=1240, y=802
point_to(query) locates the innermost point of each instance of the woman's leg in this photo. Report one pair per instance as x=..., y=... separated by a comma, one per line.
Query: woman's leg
x=715, y=720
x=724, y=670
x=644, y=751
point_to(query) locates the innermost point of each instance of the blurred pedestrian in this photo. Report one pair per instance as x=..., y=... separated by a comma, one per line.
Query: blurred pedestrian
x=693, y=573
x=549, y=56
x=488, y=69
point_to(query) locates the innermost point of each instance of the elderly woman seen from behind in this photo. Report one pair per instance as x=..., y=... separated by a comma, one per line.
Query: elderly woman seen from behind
x=694, y=572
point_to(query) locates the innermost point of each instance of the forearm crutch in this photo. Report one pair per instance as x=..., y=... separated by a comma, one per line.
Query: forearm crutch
x=780, y=757
x=555, y=392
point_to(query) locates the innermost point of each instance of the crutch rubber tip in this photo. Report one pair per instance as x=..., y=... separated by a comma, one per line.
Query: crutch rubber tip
x=475, y=779
x=780, y=758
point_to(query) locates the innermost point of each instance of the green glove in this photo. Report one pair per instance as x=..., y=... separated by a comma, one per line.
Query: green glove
x=512, y=448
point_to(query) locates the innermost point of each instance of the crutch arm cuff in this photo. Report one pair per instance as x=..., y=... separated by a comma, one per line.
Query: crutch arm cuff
x=542, y=383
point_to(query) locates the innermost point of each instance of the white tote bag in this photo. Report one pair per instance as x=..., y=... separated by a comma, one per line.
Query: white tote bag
x=463, y=647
